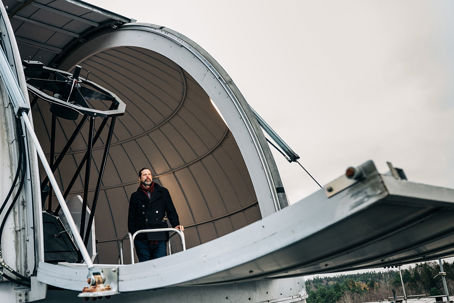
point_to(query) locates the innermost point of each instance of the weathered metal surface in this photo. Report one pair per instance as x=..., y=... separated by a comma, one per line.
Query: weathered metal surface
x=376, y=222
x=282, y=291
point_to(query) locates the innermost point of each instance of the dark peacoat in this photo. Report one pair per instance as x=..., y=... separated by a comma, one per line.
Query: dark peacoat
x=145, y=213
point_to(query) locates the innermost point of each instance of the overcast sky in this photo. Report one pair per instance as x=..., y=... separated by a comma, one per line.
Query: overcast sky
x=341, y=81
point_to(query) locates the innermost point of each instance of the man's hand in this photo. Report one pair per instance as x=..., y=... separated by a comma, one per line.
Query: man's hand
x=180, y=227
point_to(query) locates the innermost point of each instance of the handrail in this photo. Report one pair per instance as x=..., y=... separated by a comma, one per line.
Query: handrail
x=153, y=230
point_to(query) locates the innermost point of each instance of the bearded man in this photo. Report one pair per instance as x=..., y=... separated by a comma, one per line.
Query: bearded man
x=148, y=207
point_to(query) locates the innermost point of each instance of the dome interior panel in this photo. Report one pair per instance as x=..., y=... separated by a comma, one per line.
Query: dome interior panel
x=184, y=212
x=227, y=192
x=141, y=110
x=157, y=160
x=207, y=232
x=138, y=158
x=180, y=143
x=207, y=135
x=171, y=155
x=196, y=141
x=197, y=203
x=239, y=220
x=192, y=237
x=223, y=226
x=211, y=190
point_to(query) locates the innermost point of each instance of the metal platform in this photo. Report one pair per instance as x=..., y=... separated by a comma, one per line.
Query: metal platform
x=371, y=222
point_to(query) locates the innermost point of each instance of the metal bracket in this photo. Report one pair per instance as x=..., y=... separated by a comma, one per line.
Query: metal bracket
x=20, y=104
x=397, y=173
x=338, y=185
x=351, y=176
x=102, y=283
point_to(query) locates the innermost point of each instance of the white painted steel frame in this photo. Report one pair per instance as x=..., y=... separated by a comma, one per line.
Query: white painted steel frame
x=58, y=194
x=20, y=105
x=33, y=224
x=275, y=246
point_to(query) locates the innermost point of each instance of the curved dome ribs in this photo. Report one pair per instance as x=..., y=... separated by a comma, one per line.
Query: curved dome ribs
x=171, y=126
x=90, y=65
x=146, y=131
x=154, y=108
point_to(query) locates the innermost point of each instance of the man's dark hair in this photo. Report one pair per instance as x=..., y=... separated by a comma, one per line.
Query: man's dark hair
x=141, y=170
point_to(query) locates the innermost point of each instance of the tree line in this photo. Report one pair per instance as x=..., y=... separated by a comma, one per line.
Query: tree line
x=421, y=279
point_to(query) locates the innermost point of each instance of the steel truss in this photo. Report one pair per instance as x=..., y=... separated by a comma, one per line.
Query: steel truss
x=72, y=96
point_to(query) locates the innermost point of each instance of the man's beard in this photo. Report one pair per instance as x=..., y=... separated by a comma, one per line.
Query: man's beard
x=146, y=182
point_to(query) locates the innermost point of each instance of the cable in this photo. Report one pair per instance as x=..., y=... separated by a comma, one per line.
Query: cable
x=308, y=173
x=14, y=280
x=290, y=160
x=22, y=169
x=13, y=185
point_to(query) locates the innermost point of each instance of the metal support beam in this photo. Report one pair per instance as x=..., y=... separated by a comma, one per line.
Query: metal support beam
x=39, y=45
x=403, y=285
x=34, y=101
x=52, y=154
x=98, y=184
x=65, y=149
x=443, y=278
x=65, y=14
x=79, y=168
x=47, y=26
x=61, y=200
x=87, y=175
x=289, y=153
x=18, y=8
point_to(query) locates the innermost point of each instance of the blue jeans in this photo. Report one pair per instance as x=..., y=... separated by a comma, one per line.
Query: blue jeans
x=146, y=250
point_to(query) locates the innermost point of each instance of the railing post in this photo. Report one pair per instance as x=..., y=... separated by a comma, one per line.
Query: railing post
x=121, y=252
x=154, y=230
x=131, y=245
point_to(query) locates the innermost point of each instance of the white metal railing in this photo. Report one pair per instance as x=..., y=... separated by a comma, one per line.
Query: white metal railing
x=154, y=230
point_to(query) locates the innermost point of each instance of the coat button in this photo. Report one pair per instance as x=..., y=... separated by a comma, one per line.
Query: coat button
x=157, y=212
x=143, y=213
